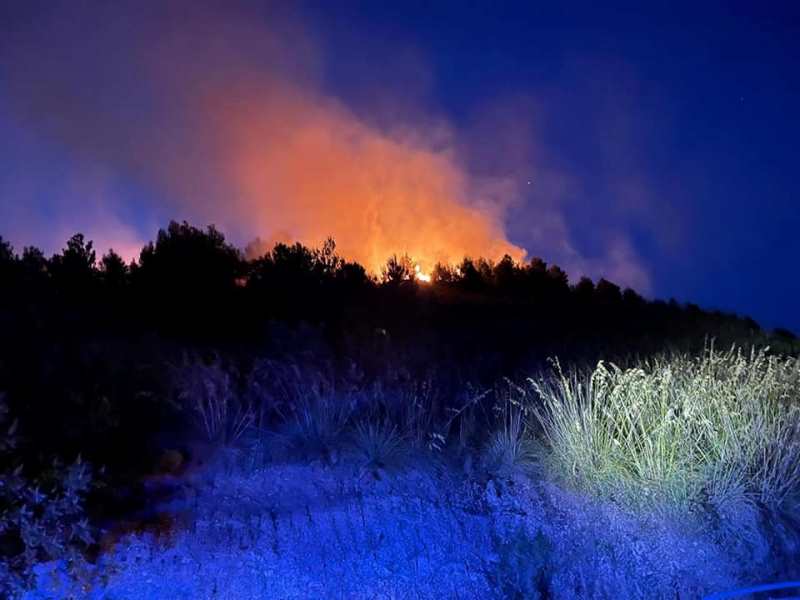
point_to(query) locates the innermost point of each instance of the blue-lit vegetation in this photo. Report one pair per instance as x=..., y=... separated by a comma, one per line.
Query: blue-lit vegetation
x=287, y=427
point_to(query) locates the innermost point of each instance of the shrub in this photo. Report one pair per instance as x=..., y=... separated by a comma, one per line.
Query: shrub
x=678, y=431
x=40, y=520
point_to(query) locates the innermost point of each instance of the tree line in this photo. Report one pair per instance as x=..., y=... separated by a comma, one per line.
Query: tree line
x=87, y=339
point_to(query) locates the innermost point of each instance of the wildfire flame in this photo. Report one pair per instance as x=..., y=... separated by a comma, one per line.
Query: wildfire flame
x=260, y=147
x=420, y=275
x=314, y=169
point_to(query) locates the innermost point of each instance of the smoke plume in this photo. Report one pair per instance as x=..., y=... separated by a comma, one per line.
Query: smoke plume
x=223, y=119
x=228, y=119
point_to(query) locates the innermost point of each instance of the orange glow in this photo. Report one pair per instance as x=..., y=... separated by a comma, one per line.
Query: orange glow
x=305, y=168
x=245, y=136
x=234, y=121
x=420, y=275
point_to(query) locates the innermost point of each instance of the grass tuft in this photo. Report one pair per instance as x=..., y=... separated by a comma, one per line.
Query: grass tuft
x=509, y=447
x=380, y=445
x=678, y=431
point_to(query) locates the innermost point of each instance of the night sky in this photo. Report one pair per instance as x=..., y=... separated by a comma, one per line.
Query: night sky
x=655, y=146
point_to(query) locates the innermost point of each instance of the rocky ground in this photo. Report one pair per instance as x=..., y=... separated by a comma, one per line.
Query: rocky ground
x=290, y=530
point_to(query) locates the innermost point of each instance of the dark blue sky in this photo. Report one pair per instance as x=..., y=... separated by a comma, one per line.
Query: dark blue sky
x=664, y=139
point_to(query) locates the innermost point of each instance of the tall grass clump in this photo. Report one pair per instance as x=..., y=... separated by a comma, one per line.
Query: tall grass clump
x=209, y=390
x=510, y=446
x=315, y=415
x=679, y=431
x=379, y=445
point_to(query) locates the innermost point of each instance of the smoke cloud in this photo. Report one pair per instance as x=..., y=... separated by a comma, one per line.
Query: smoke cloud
x=226, y=120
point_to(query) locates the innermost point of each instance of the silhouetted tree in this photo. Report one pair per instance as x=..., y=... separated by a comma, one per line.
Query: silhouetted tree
x=557, y=278
x=584, y=290
x=298, y=283
x=505, y=275
x=470, y=279
x=631, y=299
x=326, y=259
x=33, y=274
x=77, y=258
x=287, y=274
x=443, y=274
x=485, y=270
x=537, y=265
x=6, y=252
x=398, y=269
x=74, y=270
x=33, y=261
x=534, y=275
x=187, y=279
x=190, y=260
x=113, y=271
x=352, y=277
x=607, y=293
x=7, y=260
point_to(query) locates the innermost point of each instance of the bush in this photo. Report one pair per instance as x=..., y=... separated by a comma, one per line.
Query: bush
x=40, y=520
x=678, y=432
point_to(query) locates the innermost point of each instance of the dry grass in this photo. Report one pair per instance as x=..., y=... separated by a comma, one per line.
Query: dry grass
x=379, y=445
x=678, y=431
x=510, y=445
x=209, y=390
